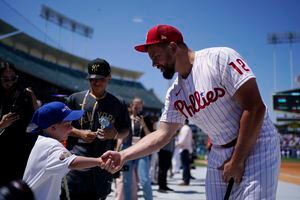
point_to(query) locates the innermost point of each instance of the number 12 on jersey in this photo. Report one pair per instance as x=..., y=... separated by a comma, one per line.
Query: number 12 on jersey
x=240, y=67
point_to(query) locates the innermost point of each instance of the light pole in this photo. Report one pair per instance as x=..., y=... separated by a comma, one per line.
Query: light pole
x=281, y=38
x=272, y=39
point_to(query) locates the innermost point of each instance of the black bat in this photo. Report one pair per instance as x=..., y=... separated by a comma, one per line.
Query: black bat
x=229, y=188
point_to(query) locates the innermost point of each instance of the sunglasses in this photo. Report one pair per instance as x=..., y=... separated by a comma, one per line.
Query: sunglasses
x=11, y=79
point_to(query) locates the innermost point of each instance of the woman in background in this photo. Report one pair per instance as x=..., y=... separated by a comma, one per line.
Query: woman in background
x=16, y=108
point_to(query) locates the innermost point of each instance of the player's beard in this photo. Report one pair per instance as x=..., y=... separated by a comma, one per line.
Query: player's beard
x=169, y=69
x=169, y=73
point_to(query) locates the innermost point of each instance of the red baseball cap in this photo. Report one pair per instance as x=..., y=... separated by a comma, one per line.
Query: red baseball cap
x=160, y=34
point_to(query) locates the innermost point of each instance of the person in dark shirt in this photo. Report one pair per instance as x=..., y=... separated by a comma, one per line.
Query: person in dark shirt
x=106, y=119
x=17, y=105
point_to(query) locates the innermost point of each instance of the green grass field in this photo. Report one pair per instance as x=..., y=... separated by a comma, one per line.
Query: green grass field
x=199, y=161
x=290, y=160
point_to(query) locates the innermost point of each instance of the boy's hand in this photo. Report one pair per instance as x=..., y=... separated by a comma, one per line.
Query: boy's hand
x=112, y=161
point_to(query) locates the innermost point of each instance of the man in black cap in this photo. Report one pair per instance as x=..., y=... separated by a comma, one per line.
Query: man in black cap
x=106, y=119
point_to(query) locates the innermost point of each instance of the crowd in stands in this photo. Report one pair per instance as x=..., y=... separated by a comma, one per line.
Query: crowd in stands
x=290, y=145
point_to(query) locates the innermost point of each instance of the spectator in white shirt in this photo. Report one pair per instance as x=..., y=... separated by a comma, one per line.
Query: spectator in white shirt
x=185, y=143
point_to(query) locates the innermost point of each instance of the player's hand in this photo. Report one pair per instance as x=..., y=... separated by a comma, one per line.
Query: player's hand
x=8, y=119
x=233, y=170
x=107, y=133
x=88, y=136
x=112, y=161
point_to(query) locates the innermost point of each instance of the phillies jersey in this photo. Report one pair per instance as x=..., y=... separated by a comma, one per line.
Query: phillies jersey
x=205, y=97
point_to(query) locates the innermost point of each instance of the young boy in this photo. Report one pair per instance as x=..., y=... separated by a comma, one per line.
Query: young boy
x=49, y=160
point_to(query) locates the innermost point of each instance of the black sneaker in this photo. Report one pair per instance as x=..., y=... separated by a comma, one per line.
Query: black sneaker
x=166, y=189
x=169, y=189
x=162, y=190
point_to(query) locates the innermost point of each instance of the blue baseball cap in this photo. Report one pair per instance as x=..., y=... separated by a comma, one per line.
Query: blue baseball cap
x=52, y=113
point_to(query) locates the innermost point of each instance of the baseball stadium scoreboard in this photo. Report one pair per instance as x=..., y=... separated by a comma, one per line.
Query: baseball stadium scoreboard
x=287, y=101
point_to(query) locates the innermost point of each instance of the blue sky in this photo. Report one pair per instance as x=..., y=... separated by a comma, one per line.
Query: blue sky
x=120, y=25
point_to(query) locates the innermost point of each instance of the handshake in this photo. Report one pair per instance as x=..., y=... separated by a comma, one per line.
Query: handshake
x=112, y=161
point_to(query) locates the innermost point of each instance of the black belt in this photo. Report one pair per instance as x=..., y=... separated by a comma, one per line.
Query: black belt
x=229, y=144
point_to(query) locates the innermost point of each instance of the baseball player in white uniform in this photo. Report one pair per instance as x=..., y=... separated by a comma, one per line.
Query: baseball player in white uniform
x=216, y=90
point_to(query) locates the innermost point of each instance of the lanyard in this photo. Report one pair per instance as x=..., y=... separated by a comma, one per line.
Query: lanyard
x=93, y=112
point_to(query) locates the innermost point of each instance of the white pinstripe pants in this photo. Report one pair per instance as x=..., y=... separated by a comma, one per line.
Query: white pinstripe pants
x=260, y=177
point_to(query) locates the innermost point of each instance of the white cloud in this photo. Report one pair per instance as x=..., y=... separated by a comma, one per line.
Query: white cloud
x=137, y=20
